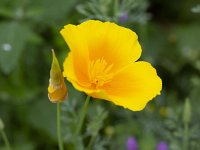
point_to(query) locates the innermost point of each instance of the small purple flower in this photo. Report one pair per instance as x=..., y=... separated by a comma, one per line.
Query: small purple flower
x=131, y=144
x=162, y=146
x=123, y=18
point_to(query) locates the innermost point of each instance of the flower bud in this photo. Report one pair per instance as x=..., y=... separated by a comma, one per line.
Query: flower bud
x=57, y=89
x=187, y=112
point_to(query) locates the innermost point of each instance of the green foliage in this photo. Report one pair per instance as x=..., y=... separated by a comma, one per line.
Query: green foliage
x=114, y=10
x=187, y=112
x=1, y=125
x=169, y=36
x=196, y=9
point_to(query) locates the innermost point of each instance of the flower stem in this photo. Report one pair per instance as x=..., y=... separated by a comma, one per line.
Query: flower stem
x=59, y=131
x=82, y=116
x=186, y=137
x=116, y=6
x=91, y=142
x=5, y=139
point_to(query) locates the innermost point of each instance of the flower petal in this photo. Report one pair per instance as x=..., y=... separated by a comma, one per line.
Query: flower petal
x=76, y=64
x=80, y=82
x=133, y=87
x=93, y=40
x=116, y=44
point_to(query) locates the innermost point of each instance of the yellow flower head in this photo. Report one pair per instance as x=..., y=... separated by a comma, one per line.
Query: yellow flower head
x=57, y=90
x=101, y=63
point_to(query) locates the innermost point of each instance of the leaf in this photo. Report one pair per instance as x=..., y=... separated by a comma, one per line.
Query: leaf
x=42, y=116
x=13, y=37
x=96, y=121
x=187, y=40
x=50, y=11
x=148, y=142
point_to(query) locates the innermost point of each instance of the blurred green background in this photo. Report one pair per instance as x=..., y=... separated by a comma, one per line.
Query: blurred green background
x=169, y=32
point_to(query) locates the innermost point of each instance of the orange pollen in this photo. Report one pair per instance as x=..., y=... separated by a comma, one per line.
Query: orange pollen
x=99, y=72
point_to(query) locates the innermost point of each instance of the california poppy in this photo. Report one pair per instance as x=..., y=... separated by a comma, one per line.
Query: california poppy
x=102, y=63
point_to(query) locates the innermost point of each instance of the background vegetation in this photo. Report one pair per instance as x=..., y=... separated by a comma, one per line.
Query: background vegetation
x=169, y=32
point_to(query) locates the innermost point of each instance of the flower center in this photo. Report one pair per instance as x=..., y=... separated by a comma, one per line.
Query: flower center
x=99, y=72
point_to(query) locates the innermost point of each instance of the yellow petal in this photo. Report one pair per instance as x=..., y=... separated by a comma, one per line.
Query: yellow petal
x=133, y=87
x=79, y=56
x=96, y=40
x=79, y=81
x=116, y=44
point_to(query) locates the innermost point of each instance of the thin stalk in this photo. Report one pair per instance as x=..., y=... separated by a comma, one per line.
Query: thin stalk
x=59, y=130
x=186, y=137
x=82, y=116
x=91, y=142
x=5, y=139
x=116, y=6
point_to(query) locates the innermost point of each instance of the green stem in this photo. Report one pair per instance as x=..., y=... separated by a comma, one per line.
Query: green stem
x=82, y=116
x=116, y=6
x=59, y=131
x=186, y=137
x=92, y=140
x=5, y=139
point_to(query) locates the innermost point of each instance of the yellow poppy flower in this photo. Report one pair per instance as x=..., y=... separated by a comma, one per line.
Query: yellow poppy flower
x=101, y=63
x=57, y=90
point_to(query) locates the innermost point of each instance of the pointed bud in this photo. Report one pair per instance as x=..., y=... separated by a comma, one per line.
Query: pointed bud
x=1, y=125
x=187, y=112
x=57, y=90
